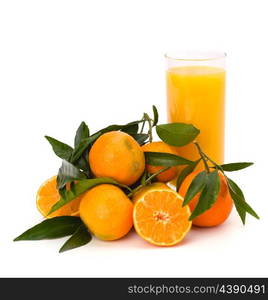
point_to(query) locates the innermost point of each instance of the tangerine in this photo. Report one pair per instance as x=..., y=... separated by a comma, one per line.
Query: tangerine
x=107, y=212
x=117, y=155
x=48, y=195
x=160, y=147
x=159, y=217
x=218, y=212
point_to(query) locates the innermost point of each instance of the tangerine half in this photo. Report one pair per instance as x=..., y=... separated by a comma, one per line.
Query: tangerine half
x=159, y=217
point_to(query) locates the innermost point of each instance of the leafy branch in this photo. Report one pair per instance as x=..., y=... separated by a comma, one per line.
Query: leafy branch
x=206, y=200
x=205, y=183
x=59, y=227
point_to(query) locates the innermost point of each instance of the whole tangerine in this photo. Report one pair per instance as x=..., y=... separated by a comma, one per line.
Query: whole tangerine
x=117, y=155
x=219, y=211
x=165, y=148
x=107, y=212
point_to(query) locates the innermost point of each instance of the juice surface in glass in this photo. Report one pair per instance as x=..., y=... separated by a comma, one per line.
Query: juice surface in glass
x=195, y=95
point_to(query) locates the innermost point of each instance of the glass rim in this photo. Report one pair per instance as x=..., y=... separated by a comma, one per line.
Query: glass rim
x=195, y=55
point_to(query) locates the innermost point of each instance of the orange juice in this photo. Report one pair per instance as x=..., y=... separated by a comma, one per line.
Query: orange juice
x=195, y=95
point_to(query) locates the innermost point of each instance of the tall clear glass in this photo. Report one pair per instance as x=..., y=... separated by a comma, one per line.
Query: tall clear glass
x=196, y=95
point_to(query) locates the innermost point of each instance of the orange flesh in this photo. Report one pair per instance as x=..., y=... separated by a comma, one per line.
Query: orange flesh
x=160, y=218
x=48, y=195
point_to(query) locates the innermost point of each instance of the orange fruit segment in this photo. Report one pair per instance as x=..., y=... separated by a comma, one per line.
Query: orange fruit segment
x=159, y=217
x=48, y=195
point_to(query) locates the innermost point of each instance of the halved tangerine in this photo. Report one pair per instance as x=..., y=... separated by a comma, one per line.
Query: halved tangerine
x=159, y=217
x=48, y=195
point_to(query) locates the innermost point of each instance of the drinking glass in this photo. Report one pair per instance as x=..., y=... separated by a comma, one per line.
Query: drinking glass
x=196, y=95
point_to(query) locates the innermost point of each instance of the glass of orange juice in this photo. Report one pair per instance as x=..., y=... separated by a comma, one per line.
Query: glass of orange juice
x=196, y=95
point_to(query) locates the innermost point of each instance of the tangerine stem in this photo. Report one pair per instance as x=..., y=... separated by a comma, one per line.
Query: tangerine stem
x=213, y=162
x=142, y=127
x=148, y=119
x=155, y=174
x=203, y=156
x=147, y=181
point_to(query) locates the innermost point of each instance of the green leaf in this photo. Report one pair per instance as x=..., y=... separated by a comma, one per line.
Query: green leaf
x=177, y=134
x=83, y=164
x=118, y=127
x=62, y=150
x=208, y=195
x=67, y=173
x=62, y=191
x=235, y=188
x=81, y=133
x=132, y=129
x=82, y=146
x=165, y=159
x=236, y=166
x=51, y=229
x=196, y=186
x=141, y=138
x=110, y=128
x=156, y=116
x=241, y=205
x=80, y=187
x=185, y=172
x=80, y=238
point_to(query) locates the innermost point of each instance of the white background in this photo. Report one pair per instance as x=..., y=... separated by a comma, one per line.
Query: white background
x=62, y=62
